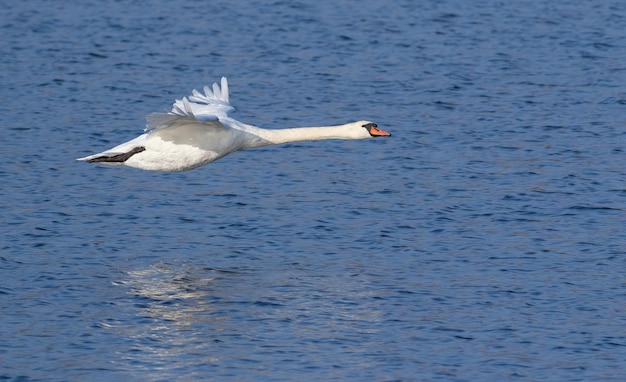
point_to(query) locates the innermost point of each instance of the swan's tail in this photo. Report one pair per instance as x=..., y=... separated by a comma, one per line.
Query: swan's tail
x=112, y=158
x=118, y=154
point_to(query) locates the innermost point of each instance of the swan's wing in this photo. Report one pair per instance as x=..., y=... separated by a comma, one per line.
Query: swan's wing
x=161, y=121
x=179, y=116
x=211, y=105
x=184, y=130
x=197, y=109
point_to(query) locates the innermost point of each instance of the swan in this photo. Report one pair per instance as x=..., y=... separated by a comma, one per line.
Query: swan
x=198, y=130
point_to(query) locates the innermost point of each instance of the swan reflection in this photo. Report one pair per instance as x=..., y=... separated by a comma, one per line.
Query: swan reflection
x=183, y=317
x=170, y=309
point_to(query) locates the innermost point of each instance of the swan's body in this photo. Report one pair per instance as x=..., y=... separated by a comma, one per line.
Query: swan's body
x=198, y=130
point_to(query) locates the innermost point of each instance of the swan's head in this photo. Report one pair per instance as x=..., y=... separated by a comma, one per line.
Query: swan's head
x=367, y=129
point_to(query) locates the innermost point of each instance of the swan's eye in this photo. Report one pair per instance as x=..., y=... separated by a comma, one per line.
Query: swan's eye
x=370, y=125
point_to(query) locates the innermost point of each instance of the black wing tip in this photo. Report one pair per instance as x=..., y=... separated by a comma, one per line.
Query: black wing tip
x=119, y=158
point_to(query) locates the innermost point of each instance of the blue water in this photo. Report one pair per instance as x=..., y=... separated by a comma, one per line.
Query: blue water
x=484, y=241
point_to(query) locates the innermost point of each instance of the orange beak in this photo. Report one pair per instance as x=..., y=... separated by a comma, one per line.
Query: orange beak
x=376, y=132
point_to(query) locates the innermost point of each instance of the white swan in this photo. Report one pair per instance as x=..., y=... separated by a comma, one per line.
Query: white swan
x=198, y=130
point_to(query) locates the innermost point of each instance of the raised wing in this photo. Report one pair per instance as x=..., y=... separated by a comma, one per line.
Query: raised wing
x=211, y=105
x=181, y=119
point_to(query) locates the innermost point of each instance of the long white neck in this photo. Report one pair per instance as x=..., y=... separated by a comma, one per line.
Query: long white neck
x=278, y=136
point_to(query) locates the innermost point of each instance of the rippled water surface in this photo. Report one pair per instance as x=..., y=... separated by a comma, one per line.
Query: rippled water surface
x=483, y=241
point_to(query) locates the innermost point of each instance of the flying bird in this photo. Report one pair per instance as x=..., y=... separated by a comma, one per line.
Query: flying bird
x=198, y=130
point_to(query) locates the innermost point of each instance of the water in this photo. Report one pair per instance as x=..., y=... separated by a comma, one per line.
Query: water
x=483, y=241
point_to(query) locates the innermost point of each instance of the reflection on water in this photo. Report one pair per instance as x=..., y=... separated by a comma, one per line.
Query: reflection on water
x=180, y=316
x=171, y=314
